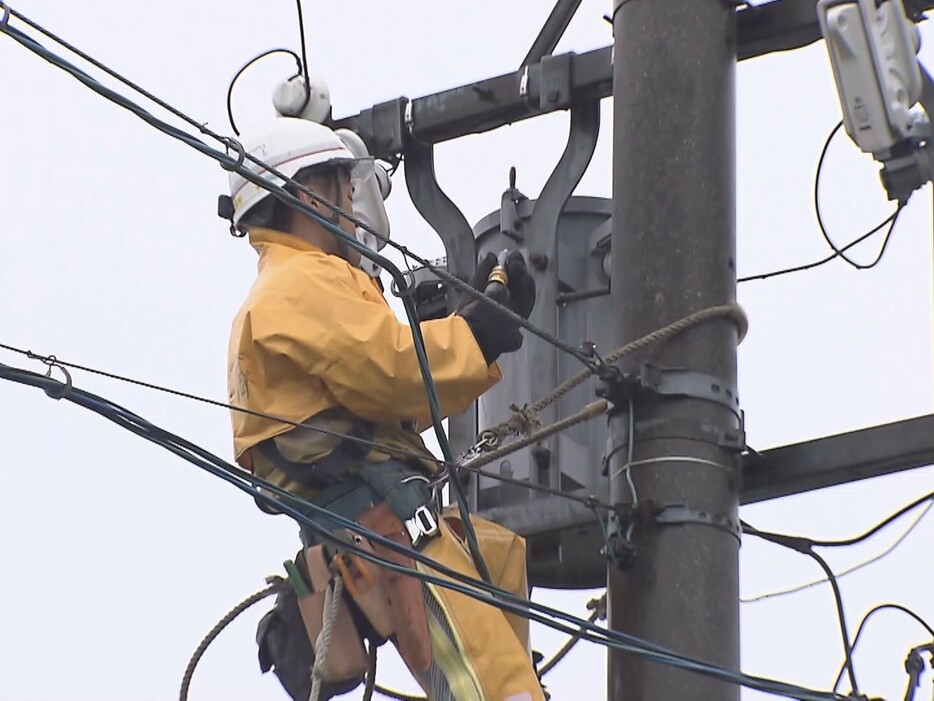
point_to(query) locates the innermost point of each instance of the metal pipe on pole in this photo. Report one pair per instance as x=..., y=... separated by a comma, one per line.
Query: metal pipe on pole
x=673, y=253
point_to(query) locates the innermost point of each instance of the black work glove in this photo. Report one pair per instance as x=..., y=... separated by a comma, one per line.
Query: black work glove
x=480, y=277
x=494, y=332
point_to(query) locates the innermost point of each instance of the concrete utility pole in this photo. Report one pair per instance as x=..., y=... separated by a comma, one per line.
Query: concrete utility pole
x=673, y=253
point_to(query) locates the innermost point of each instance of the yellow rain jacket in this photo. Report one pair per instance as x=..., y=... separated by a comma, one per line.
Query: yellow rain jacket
x=315, y=342
x=315, y=334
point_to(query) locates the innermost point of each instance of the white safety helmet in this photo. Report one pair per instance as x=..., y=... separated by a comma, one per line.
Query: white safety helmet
x=368, y=195
x=288, y=145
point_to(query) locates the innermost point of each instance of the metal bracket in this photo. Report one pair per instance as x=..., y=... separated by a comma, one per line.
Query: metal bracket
x=690, y=383
x=510, y=223
x=459, y=245
x=679, y=514
x=381, y=127
x=438, y=209
x=541, y=235
x=555, y=82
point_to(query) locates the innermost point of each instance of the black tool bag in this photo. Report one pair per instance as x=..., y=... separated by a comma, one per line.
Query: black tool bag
x=285, y=649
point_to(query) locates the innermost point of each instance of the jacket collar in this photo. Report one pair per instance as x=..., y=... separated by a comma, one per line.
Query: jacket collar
x=259, y=237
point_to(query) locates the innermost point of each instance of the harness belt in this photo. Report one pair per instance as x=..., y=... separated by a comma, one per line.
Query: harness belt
x=392, y=499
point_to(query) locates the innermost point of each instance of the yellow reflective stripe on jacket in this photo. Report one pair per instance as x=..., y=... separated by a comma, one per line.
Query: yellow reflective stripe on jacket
x=316, y=333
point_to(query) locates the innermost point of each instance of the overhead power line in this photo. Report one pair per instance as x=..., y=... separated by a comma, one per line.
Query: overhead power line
x=869, y=614
x=591, y=502
x=849, y=570
x=889, y=222
x=298, y=509
x=236, y=163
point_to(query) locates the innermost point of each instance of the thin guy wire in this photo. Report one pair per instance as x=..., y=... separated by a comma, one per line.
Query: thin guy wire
x=849, y=570
x=262, y=490
x=589, y=502
x=452, y=280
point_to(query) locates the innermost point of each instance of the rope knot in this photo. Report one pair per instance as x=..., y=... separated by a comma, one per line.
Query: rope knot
x=523, y=421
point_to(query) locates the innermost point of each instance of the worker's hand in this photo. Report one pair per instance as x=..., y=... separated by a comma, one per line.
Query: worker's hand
x=521, y=285
x=480, y=278
x=495, y=332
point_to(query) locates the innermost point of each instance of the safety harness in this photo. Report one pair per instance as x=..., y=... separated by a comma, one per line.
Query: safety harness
x=394, y=500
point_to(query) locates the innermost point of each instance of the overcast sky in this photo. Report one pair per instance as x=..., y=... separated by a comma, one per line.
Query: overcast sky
x=118, y=557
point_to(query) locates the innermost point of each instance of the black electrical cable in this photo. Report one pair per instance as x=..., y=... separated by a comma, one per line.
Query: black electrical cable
x=263, y=491
x=865, y=620
x=838, y=599
x=232, y=164
x=801, y=542
x=820, y=220
x=878, y=527
x=890, y=222
x=589, y=501
x=803, y=546
x=447, y=277
x=243, y=69
x=301, y=38
x=849, y=570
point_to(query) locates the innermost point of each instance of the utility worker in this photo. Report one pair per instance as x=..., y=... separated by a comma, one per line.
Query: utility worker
x=315, y=342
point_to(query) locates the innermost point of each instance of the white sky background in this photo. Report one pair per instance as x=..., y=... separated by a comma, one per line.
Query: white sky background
x=118, y=557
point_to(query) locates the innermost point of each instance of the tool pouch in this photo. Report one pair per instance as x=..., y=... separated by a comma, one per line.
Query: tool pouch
x=346, y=656
x=284, y=648
x=363, y=583
x=405, y=594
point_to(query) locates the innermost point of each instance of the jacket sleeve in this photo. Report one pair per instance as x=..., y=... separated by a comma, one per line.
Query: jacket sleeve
x=365, y=357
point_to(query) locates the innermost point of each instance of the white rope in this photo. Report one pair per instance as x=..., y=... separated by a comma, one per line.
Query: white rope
x=332, y=601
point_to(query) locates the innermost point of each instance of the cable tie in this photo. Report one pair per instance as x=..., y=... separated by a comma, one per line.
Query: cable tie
x=232, y=143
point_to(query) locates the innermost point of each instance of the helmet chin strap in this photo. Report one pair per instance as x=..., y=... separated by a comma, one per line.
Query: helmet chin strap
x=335, y=218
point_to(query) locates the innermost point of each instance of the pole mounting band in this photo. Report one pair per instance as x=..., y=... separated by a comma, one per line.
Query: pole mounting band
x=679, y=514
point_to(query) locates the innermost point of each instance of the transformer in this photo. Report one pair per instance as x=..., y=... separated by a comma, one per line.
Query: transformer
x=564, y=537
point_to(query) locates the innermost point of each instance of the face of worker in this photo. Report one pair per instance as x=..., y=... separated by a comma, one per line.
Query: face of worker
x=336, y=187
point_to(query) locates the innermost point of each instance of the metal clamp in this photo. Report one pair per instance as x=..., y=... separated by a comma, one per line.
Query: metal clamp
x=690, y=383
x=409, y=117
x=678, y=514
x=555, y=82
x=524, y=83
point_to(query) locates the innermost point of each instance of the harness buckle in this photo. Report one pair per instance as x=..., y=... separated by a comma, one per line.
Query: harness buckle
x=423, y=524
